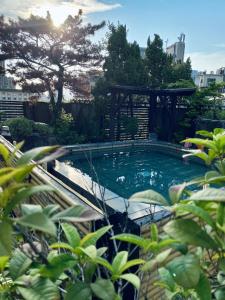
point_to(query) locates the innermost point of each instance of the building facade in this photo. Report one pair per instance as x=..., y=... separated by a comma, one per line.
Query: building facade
x=177, y=49
x=203, y=80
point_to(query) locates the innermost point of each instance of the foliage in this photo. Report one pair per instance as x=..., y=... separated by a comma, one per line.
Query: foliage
x=217, y=114
x=46, y=58
x=130, y=125
x=65, y=131
x=20, y=128
x=123, y=64
x=42, y=129
x=42, y=255
x=198, y=221
x=158, y=63
x=204, y=101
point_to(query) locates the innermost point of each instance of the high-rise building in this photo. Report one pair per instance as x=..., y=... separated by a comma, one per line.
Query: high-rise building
x=177, y=49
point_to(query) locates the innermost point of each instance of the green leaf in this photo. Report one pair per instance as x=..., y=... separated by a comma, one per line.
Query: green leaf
x=3, y=262
x=90, y=251
x=69, y=213
x=103, y=262
x=205, y=133
x=197, y=211
x=37, y=221
x=78, y=290
x=50, y=209
x=220, y=214
x=16, y=174
x=119, y=261
x=154, y=233
x=57, y=265
x=207, y=143
x=71, y=234
x=209, y=194
x=132, y=278
x=185, y=270
x=149, y=197
x=4, y=152
x=218, y=131
x=34, y=154
x=131, y=238
x=103, y=289
x=6, y=239
x=93, y=237
x=61, y=246
x=175, y=192
x=19, y=263
x=167, y=279
x=39, y=289
x=25, y=193
x=219, y=293
x=101, y=251
x=28, y=209
x=188, y=231
x=158, y=260
x=132, y=263
x=203, y=288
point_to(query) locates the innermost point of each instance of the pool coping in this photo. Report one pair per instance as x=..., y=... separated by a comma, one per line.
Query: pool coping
x=104, y=198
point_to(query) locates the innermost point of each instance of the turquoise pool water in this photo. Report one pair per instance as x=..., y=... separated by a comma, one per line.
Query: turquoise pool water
x=126, y=173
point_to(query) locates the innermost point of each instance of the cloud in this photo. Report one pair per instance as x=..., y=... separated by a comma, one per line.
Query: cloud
x=202, y=61
x=23, y=8
x=222, y=45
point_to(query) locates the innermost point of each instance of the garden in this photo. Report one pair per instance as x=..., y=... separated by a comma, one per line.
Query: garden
x=49, y=251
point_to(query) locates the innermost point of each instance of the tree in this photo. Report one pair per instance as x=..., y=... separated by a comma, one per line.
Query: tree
x=46, y=58
x=158, y=63
x=123, y=63
x=182, y=71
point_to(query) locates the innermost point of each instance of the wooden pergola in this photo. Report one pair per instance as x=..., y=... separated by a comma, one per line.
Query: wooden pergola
x=167, y=98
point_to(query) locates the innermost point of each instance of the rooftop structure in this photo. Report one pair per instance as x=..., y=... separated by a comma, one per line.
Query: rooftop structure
x=177, y=49
x=203, y=80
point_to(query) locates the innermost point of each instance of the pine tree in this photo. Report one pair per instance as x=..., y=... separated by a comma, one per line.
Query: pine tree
x=46, y=58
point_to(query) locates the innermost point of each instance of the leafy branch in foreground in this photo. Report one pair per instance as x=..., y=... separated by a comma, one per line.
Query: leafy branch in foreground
x=42, y=253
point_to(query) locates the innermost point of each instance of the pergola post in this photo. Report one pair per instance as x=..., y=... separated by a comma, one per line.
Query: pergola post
x=152, y=113
x=112, y=116
x=118, y=117
x=173, y=100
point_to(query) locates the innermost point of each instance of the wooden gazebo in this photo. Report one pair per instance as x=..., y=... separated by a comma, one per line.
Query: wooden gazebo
x=167, y=99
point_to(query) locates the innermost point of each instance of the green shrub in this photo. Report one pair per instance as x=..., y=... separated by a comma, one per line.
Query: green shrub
x=43, y=129
x=20, y=128
x=130, y=125
x=65, y=132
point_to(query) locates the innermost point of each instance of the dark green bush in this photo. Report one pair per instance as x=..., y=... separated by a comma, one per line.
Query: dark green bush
x=20, y=128
x=64, y=130
x=43, y=129
x=130, y=125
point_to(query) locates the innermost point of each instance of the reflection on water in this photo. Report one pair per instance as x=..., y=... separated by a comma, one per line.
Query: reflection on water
x=128, y=172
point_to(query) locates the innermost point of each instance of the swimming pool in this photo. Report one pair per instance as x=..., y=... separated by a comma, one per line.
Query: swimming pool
x=128, y=172
x=107, y=174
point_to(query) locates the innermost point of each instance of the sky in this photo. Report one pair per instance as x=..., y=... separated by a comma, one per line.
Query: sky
x=202, y=21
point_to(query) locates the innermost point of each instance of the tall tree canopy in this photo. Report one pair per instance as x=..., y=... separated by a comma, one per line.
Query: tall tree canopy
x=160, y=66
x=123, y=63
x=46, y=58
x=158, y=63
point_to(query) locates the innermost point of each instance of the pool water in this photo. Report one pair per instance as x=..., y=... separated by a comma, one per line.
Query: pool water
x=126, y=173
